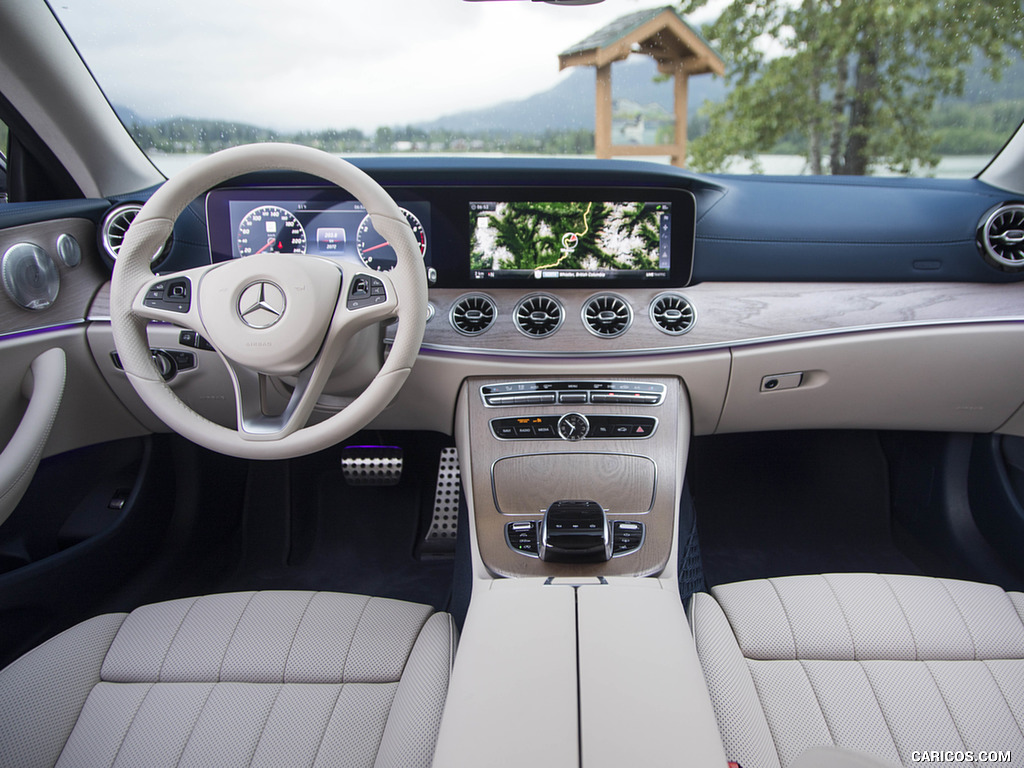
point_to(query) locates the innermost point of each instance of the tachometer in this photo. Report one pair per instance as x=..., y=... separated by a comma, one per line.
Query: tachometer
x=376, y=252
x=270, y=229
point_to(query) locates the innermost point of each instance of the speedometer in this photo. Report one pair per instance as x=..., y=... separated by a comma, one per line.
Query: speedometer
x=270, y=229
x=376, y=252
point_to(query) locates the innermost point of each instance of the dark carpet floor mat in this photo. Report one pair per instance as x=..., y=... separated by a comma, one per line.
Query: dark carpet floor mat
x=778, y=504
x=304, y=527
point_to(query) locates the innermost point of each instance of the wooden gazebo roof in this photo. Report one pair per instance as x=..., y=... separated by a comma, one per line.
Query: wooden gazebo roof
x=662, y=34
x=657, y=32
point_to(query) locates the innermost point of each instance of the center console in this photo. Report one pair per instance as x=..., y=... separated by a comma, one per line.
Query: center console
x=575, y=650
x=575, y=476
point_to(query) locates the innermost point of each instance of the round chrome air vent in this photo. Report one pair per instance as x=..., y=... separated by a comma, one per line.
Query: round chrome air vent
x=115, y=227
x=672, y=313
x=607, y=315
x=538, y=315
x=472, y=314
x=1001, y=237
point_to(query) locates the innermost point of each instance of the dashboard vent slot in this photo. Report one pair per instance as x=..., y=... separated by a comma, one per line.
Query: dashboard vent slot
x=472, y=314
x=672, y=313
x=1001, y=237
x=607, y=315
x=539, y=315
x=115, y=227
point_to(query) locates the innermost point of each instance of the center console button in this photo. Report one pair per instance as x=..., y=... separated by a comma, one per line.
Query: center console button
x=522, y=537
x=572, y=397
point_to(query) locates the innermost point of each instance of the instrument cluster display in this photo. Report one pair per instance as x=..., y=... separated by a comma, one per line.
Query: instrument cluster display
x=319, y=224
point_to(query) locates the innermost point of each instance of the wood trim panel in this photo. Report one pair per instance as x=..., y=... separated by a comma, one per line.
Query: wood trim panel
x=78, y=285
x=728, y=314
x=666, y=449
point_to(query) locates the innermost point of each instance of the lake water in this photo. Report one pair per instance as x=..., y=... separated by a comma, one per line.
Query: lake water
x=953, y=167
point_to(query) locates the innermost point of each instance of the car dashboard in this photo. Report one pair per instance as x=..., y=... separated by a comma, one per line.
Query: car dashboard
x=784, y=303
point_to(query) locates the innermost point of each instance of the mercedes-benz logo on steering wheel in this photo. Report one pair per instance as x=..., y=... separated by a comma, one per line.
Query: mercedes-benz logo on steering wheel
x=261, y=304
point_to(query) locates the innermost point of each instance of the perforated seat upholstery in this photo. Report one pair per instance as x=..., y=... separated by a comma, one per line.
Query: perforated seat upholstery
x=888, y=666
x=243, y=679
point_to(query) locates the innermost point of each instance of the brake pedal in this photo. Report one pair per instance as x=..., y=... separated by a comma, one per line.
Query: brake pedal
x=444, y=525
x=372, y=464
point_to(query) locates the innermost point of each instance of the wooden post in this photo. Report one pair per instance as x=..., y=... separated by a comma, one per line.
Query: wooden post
x=603, y=113
x=681, y=81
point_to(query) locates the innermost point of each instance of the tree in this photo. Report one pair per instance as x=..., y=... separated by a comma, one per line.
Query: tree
x=856, y=79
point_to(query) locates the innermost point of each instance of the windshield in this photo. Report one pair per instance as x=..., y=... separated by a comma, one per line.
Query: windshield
x=727, y=87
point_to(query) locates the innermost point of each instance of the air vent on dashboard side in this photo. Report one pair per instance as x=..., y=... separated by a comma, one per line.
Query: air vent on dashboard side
x=1001, y=237
x=538, y=315
x=607, y=315
x=115, y=227
x=472, y=314
x=672, y=313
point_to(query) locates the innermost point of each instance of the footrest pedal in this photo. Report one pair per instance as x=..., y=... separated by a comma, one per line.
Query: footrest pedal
x=372, y=464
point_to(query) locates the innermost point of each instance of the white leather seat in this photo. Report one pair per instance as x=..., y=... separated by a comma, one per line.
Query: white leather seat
x=887, y=666
x=244, y=679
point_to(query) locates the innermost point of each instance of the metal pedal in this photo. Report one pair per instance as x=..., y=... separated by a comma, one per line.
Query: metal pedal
x=444, y=525
x=372, y=464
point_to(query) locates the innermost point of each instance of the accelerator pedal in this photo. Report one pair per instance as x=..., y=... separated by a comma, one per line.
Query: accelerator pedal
x=444, y=525
x=372, y=464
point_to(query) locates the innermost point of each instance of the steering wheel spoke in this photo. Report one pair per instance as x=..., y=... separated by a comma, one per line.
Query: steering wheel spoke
x=172, y=299
x=368, y=297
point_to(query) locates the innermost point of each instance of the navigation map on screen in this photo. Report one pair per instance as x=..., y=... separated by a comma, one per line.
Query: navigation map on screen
x=574, y=239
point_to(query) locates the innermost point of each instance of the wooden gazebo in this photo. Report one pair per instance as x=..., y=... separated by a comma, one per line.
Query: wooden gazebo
x=680, y=52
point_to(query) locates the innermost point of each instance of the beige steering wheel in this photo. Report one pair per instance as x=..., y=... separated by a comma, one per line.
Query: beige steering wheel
x=271, y=314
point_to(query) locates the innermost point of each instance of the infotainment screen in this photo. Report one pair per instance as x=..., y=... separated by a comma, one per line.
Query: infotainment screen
x=564, y=240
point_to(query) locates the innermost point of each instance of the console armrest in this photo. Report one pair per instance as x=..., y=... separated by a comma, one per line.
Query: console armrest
x=512, y=697
x=643, y=700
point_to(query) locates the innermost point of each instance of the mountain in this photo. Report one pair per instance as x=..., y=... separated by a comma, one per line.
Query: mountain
x=569, y=105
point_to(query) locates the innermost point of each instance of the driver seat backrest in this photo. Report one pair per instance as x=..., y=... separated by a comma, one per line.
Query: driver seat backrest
x=886, y=666
x=242, y=679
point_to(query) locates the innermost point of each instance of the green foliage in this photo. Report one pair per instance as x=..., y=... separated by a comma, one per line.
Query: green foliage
x=852, y=82
x=186, y=135
x=3, y=139
x=201, y=136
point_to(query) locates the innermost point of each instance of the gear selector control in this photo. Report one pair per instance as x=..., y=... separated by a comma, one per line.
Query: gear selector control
x=575, y=532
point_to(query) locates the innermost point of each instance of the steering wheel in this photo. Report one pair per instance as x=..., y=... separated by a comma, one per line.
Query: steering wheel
x=269, y=314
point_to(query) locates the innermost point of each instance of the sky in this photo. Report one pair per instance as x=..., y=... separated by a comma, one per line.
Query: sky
x=320, y=64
